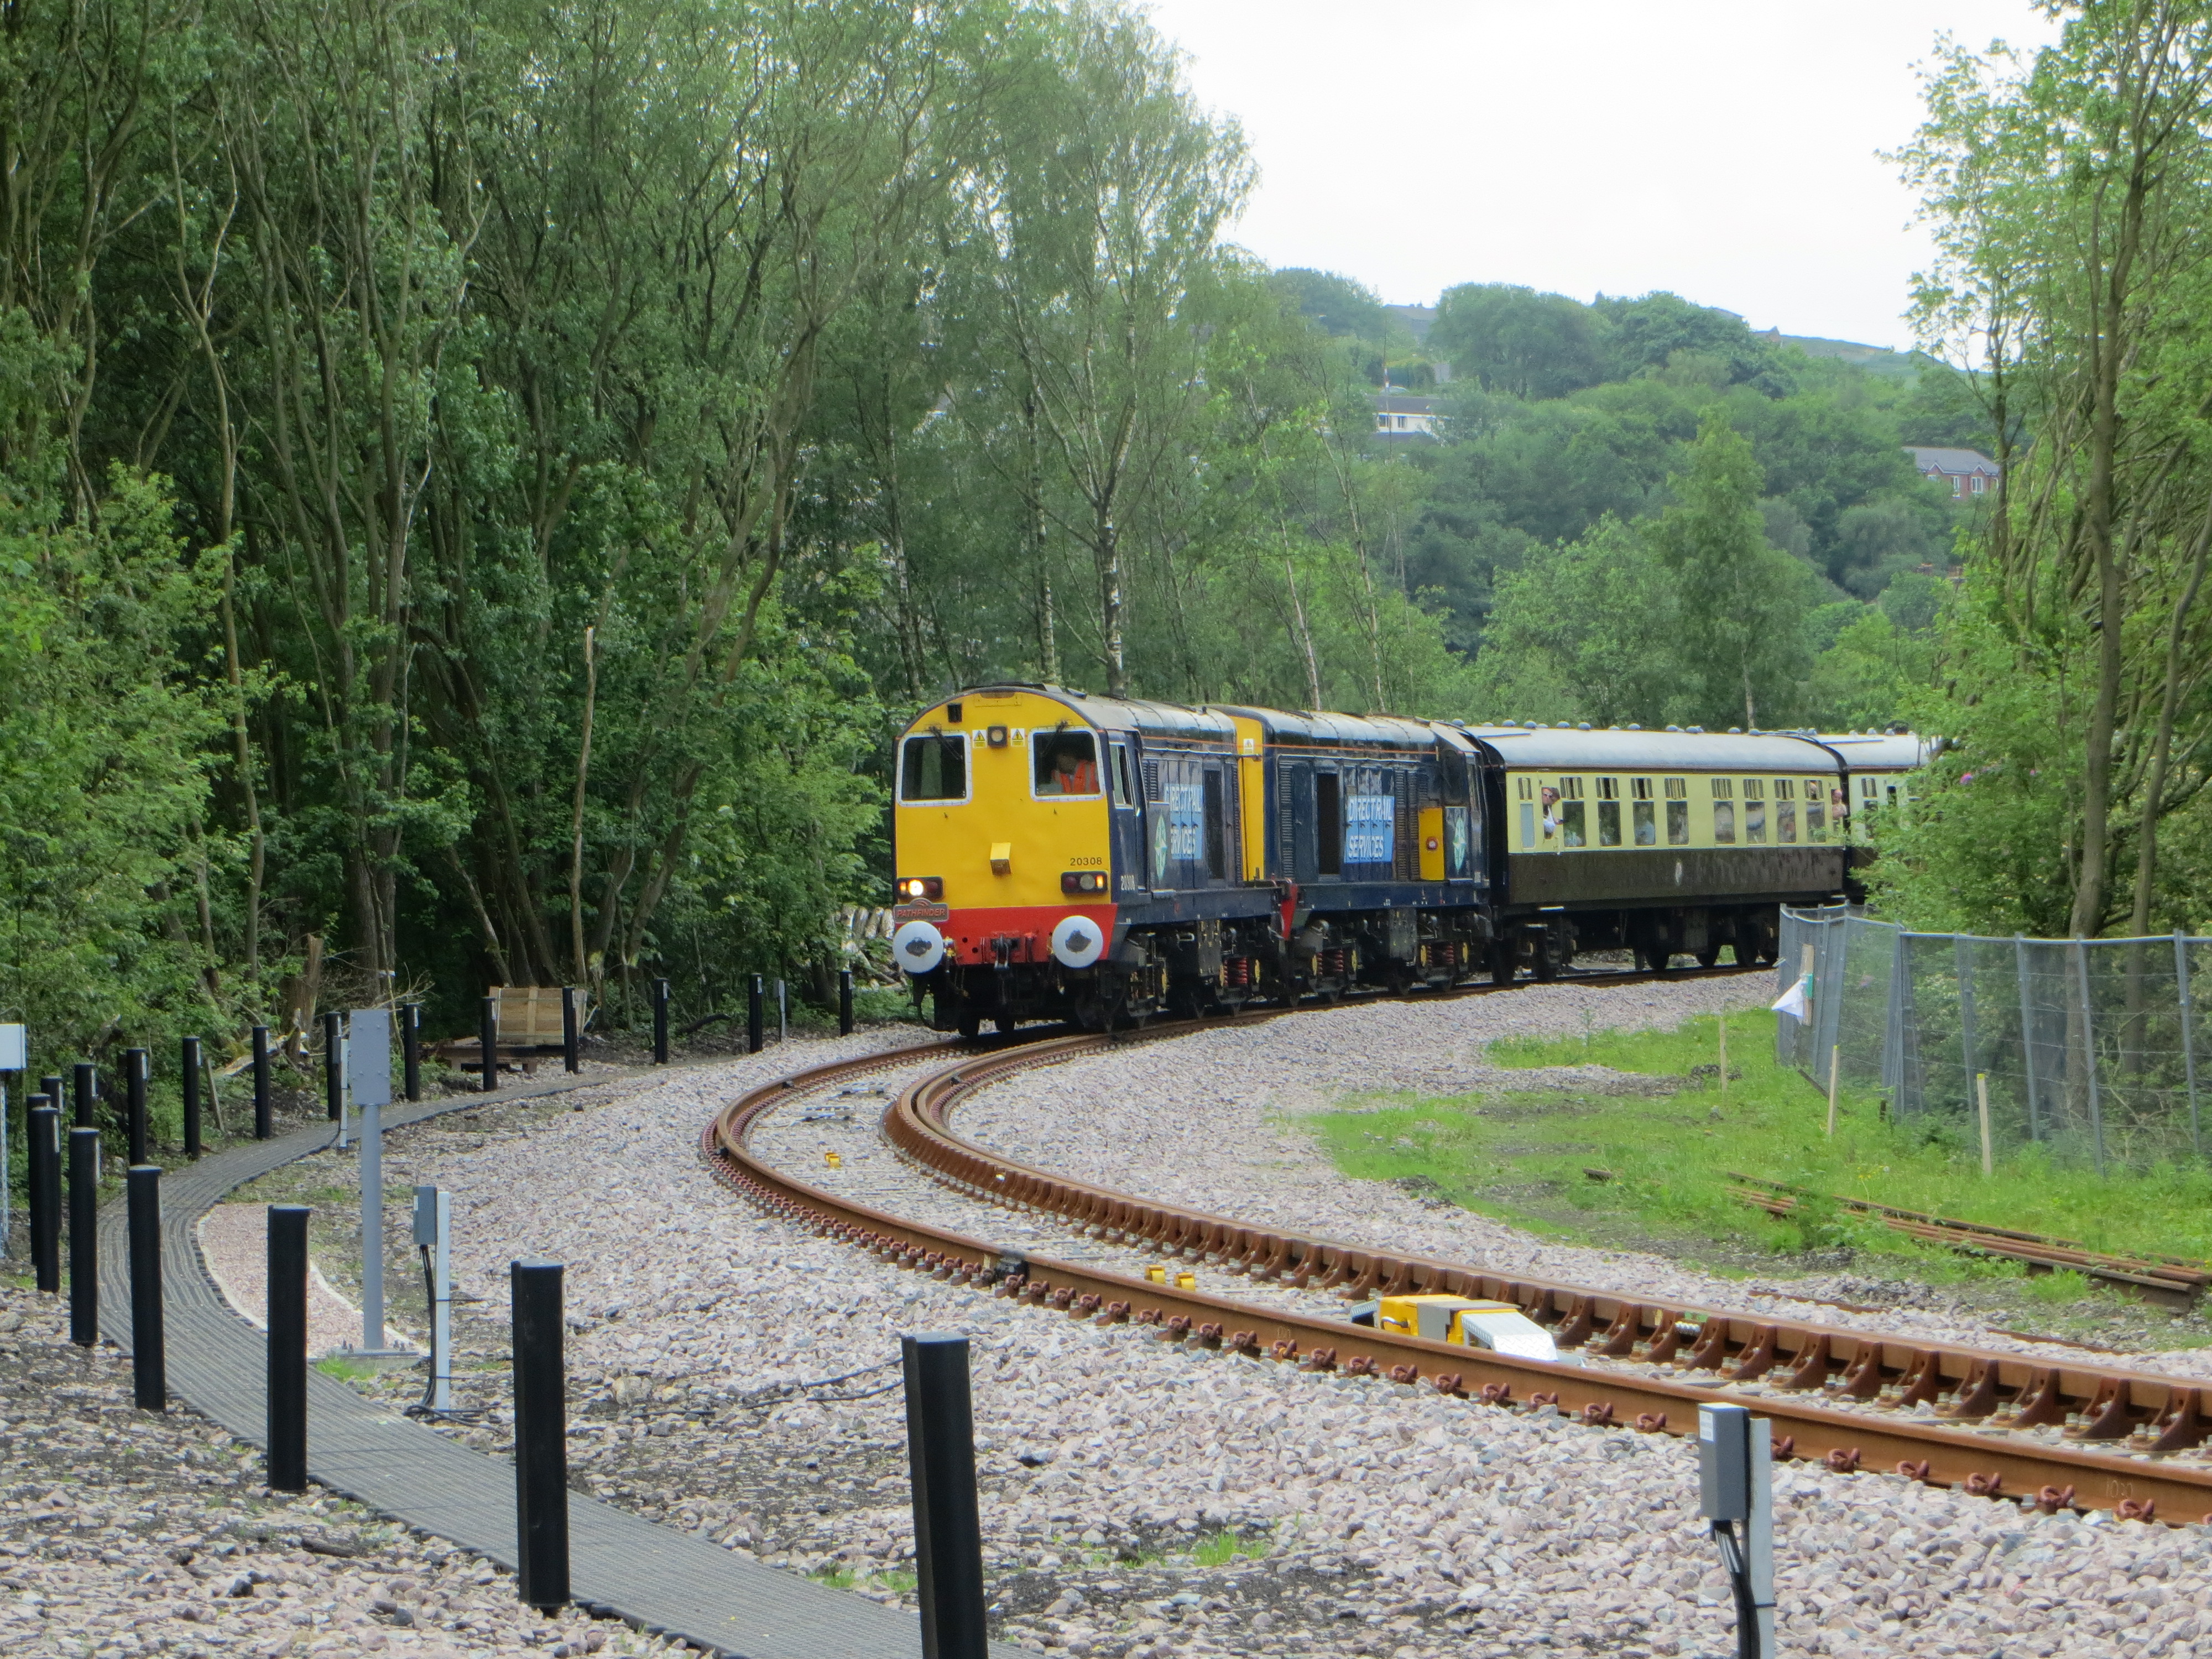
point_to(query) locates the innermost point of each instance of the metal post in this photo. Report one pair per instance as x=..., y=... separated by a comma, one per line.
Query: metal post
x=84, y=1236
x=288, y=1347
x=134, y=1095
x=1893, y=1037
x=756, y=1038
x=189, y=1067
x=368, y=1066
x=844, y=1002
x=488, y=1040
x=150, y=1374
x=782, y=1013
x=568, y=1033
x=541, y=1437
x=334, y=1070
x=51, y=1087
x=2188, y=1034
x=43, y=1125
x=263, y=1110
x=1736, y=1495
x=948, y=1530
x=2027, y=1037
x=433, y=1230
x=1962, y=965
x=2090, y=1051
x=87, y=1092
x=660, y=1022
x=410, y=1048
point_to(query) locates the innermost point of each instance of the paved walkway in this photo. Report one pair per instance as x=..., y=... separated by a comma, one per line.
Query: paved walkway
x=659, y=1579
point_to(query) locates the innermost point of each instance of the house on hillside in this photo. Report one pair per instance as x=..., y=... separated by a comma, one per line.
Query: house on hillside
x=1399, y=416
x=1970, y=471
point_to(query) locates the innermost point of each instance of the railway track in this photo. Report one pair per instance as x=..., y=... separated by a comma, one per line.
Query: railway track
x=2053, y=1434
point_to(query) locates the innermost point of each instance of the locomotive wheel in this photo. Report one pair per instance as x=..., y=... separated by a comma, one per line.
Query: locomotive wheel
x=1004, y=1022
x=970, y=1023
x=1546, y=967
x=1501, y=963
x=1710, y=957
x=1653, y=959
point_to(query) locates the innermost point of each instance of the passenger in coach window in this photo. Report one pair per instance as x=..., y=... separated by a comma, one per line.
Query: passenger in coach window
x=1551, y=812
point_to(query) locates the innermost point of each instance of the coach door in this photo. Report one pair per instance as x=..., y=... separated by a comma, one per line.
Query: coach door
x=1125, y=788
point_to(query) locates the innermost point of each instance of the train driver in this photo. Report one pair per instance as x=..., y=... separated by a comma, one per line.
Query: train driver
x=1072, y=771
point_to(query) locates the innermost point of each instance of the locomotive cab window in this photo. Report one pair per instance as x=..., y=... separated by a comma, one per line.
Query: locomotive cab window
x=1609, y=811
x=1067, y=763
x=1678, y=811
x=1124, y=794
x=934, y=767
x=1724, y=811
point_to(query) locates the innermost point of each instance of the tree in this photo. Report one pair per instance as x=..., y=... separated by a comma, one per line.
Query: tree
x=1741, y=600
x=1585, y=630
x=1518, y=342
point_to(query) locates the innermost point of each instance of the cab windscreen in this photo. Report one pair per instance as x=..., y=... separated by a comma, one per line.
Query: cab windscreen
x=1067, y=763
x=934, y=767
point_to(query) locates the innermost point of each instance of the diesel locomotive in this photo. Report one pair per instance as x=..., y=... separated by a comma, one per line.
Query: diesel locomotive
x=1065, y=856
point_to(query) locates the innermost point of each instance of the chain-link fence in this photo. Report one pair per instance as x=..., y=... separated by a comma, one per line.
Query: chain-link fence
x=2088, y=1048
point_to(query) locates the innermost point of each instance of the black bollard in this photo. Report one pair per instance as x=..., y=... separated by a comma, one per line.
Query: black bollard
x=189, y=1063
x=570, y=1035
x=84, y=1236
x=660, y=1022
x=265, y=1124
x=541, y=1437
x=488, y=1036
x=756, y=1037
x=948, y=1528
x=51, y=1087
x=334, y=1064
x=45, y=1180
x=844, y=1002
x=87, y=1092
x=288, y=1347
x=410, y=1048
x=134, y=1096
x=149, y=1372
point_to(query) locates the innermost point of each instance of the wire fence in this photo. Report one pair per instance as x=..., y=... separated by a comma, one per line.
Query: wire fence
x=2088, y=1049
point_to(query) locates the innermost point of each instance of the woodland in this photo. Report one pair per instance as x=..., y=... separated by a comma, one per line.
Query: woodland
x=479, y=494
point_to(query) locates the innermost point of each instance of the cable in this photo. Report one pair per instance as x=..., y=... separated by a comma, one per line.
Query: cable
x=1739, y=1573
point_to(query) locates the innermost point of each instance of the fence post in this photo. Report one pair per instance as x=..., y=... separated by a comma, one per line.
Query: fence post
x=189, y=1066
x=541, y=1437
x=369, y=1057
x=43, y=1126
x=84, y=1236
x=570, y=1037
x=2089, y=1049
x=88, y=1093
x=264, y=1118
x=2027, y=1037
x=2188, y=1034
x=1893, y=1037
x=756, y=1018
x=150, y=1374
x=660, y=1022
x=434, y=1227
x=488, y=1039
x=844, y=1002
x=334, y=1066
x=410, y=1048
x=948, y=1530
x=288, y=1347
x=1962, y=965
x=134, y=1096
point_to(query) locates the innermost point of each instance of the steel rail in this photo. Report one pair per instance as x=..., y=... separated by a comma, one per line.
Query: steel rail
x=1947, y=1451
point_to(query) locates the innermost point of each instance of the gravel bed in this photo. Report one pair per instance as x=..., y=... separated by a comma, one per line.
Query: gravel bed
x=123, y=1532
x=1143, y=1499
x=1212, y=1122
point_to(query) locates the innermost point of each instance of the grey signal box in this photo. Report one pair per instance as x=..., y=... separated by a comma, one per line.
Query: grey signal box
x=1724, y=1462
x=369, y=1057
x=1735, y=1493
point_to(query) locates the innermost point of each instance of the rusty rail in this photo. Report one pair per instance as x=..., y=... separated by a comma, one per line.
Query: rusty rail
x=2124, y=1427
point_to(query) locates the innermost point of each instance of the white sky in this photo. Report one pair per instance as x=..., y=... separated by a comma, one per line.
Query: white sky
x=1722, y=148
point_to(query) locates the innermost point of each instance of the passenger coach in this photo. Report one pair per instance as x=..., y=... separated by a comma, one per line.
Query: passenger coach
x=1066, y=856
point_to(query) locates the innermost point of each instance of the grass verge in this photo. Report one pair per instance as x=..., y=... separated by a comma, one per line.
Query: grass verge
x=1666, y=1158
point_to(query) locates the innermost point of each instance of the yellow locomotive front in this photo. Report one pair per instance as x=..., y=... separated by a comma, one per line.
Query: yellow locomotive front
x=1003, y=844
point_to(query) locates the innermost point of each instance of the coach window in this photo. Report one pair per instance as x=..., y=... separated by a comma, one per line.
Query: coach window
x=1328, y=822
x=1572, y=829
x=1609, y=811
x=1067, y=763
x=1678, y=811
x=1785, y=810
x=1724, y=811
x=934, y=767
x=1816, y=808
x=1525, y=788
x=1642, y=809
x=1754, y=812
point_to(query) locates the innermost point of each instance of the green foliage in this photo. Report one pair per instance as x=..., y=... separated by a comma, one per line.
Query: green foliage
x=1518, y=342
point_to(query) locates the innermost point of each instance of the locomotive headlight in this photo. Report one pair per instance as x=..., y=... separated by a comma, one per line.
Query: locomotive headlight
x=920, y=887
x=1083, y=881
